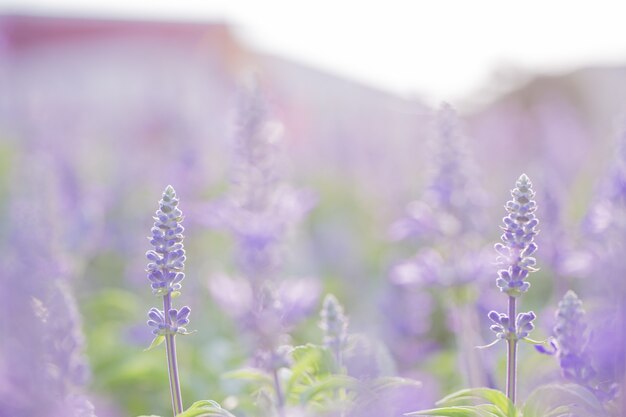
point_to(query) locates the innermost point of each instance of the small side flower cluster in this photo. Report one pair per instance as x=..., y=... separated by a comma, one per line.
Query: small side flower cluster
x=502, y=325
x=175, y=324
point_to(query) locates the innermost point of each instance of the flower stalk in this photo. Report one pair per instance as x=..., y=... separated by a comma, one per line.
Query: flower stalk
x=165, y=271
x=172, y=364
x=519, y=231
x=511, y=362
x=280, y=398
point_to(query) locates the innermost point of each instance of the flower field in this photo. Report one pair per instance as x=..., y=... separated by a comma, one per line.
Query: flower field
x=191, y=228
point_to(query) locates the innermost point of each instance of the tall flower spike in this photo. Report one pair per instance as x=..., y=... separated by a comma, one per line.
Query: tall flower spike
x=168, y=257
x=520, y=229
x=514, y=254
x=165, y=272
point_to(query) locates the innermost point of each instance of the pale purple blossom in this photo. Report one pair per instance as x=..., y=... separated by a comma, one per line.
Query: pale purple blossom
x=165, y=269
x=260, y=211
x=517, y=247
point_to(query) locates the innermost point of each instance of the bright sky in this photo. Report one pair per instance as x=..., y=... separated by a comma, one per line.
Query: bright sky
x=437, y=49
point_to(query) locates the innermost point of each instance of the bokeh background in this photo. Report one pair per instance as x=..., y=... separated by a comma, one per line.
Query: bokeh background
x=100, y=109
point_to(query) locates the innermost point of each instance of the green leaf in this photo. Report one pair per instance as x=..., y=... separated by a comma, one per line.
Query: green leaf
x=329, y=384
x=312, y=358
x=155, y=342
x=388, y=382
x=492, y=396
x=457, y=411
x=311, y=362
x=556, y=400
x=250, y=374
x=205, y=408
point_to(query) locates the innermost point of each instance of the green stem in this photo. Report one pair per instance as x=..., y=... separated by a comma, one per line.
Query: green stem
x=511, y=364
x=172, y=365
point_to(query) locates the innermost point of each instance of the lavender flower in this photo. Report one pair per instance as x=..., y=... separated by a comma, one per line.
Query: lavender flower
x=515, y=255
x=519, y=232
x=165, y=272
x=168, y=257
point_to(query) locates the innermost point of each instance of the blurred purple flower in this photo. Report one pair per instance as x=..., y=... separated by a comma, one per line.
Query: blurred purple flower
x=259, y=213
x=424, y=268
x=334, y=324
x=260, y=208
x=291, y=301
x=572, y=338
x=452, y=202
x=43, y=369
x=605, y=227
x=573, y=348
x=446, y=222
x=558, y=241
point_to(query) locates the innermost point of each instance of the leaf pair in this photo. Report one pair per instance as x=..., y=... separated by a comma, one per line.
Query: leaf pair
x=203, y=408
x=476, y=402
x=546, y=401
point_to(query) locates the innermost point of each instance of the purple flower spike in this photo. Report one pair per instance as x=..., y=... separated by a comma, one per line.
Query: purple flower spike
x=168, y=256
x=334, y=323
x=514, y=254
x=501, y=324
x=165, y=272
x=572, y=338
x=519, y=231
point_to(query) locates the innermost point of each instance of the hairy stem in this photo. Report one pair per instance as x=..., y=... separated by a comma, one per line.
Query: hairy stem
x=280, y=400
x=172, y=364
x=511, y=364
